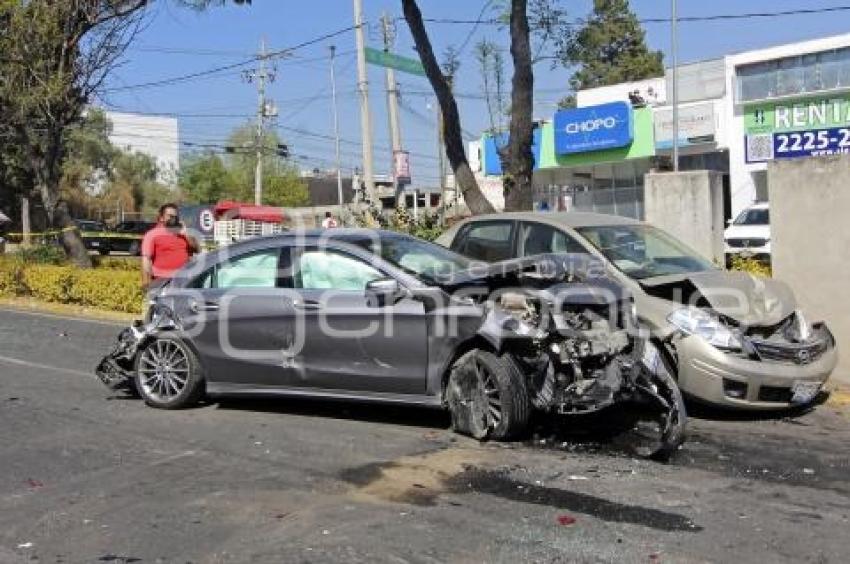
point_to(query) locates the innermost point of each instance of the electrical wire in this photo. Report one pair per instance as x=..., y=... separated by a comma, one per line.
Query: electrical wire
x=706, y=18
x=223, y=68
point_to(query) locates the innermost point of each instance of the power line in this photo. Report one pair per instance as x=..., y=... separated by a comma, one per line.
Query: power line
x=706, y=18
x=216, y=70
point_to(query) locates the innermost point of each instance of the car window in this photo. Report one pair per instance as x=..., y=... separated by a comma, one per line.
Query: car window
x=537, y=239
x=756, y=216
x=254, y=270
x=322, y=269
x=488, y=241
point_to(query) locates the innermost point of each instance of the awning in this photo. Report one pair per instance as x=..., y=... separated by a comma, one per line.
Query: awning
x=227, y=209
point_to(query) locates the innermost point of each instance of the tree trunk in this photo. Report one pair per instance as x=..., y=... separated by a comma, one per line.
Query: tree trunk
x=464, y=177
x=48, y=171
x=518, y=176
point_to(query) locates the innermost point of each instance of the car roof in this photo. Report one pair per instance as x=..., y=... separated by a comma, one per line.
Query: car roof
x=563, y=219
x=344, y=234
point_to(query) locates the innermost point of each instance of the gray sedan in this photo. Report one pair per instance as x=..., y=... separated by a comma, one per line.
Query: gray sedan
x=378, y=316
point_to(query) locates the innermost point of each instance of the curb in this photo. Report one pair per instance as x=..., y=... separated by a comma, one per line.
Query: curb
x=67, y=310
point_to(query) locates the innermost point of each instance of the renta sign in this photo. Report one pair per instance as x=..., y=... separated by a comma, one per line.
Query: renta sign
x=594, y=128
x=812, y=114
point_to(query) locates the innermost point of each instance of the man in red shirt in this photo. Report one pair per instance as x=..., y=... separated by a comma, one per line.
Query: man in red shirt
x=166, y=247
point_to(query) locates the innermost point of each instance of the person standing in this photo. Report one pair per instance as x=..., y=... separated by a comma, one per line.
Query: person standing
x=329, y=221
x=167, y=246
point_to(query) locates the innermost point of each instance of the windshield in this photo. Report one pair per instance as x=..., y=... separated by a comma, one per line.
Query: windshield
x=642, y=251
x=427, y=261
x=753, y=217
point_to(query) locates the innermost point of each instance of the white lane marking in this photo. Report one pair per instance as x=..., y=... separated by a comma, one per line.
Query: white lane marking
x=64, y=317
x=173, y=457
x=28, y=364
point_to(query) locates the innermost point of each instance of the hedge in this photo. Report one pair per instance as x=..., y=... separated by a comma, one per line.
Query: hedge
x=104, y=288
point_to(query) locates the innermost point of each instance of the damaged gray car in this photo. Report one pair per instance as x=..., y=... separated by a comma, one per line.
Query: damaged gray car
x=378, y=316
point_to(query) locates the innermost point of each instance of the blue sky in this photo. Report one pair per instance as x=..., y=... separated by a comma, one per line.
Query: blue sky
x=178, y=41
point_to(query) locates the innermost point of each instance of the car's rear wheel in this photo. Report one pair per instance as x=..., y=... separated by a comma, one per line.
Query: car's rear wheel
x=168, y=374
x=487, y=397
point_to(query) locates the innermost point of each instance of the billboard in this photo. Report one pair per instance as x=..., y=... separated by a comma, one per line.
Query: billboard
x=799, y=128
x=696, y=125
x=594, y=128
x=492, y=164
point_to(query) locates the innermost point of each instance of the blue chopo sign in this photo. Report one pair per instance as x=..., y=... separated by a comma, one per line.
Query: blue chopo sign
x=594, y=128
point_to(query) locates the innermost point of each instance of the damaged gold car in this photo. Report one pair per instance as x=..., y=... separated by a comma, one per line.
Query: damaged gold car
x=731, y=339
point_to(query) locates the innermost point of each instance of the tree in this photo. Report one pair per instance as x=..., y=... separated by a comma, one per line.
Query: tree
x=609, y=48
x=56, y=54
x=209, y=178
x=517, y=158
x=475, y=199
x=205, y=179
x=282, y=185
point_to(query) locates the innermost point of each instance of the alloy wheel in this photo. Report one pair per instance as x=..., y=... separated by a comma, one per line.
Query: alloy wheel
x=163, y=370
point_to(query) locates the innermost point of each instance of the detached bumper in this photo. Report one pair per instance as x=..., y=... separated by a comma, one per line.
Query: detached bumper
x=731, y=381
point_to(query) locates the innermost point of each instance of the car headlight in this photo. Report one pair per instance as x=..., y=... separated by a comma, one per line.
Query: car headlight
x=695, y=321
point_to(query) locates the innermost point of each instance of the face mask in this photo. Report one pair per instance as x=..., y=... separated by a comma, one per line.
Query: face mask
x=172, y=222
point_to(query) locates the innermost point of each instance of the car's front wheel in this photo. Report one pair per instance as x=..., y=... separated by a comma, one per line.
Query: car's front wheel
x=487, y=397
x=168, y=374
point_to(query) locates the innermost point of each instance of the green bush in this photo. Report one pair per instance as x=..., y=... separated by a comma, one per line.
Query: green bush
x=105, y=288
x=116, y=290
x=10, y=277
x=751, y=266
x=49, y=283
x=42, y=254
x=114, y=263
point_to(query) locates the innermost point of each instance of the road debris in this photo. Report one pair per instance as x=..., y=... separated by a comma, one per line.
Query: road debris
x=566, y=520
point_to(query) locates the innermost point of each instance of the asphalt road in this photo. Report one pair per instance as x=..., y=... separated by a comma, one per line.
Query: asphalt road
x=87, y=477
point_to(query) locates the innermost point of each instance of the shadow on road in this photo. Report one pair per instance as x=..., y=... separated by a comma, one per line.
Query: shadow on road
x=370, y=412
x=700, y=410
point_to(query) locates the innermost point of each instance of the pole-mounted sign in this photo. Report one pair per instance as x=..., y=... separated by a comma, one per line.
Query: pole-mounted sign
x=397, y=62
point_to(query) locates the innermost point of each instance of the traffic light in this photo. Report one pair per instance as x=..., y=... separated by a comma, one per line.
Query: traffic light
x=282, y=150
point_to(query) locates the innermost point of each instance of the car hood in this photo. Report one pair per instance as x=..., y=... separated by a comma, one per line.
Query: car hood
x=581, y=277
x=749, y=300
x=747, y=232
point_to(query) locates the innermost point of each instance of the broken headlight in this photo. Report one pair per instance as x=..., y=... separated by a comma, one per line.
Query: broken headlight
x=695, y=321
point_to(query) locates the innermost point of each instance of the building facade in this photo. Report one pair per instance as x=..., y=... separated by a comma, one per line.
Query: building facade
x=736, y=113
x=155, y=136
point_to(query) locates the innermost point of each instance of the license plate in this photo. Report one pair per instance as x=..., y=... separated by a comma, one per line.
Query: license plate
x=95, y=244
x=804, y=392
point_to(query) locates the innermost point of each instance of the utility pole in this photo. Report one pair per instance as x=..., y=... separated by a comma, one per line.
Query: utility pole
x=265, y=109
x=441, y=164
x=336, y=130
x=674, y=48
x=363, y=89
x=392, y=105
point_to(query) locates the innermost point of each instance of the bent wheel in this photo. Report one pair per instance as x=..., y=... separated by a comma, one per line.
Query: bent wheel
x=168, y=374
x=487, y=397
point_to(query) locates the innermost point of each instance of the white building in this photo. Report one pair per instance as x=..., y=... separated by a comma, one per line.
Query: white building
x=155, y=136
x=740, y=111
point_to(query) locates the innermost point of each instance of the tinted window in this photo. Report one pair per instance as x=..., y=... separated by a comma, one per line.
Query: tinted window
x=254, y=270
x=488, y=241
x=537, y=239
x=320, y=269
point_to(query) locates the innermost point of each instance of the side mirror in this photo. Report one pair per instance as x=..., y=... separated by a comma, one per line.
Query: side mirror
x=383, y=291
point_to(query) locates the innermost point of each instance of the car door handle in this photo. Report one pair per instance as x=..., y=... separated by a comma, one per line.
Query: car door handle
x=306, y=305
x=198, y=307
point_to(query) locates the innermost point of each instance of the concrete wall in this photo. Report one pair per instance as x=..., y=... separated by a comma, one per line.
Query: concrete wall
x=689, y=205
x=809, y=211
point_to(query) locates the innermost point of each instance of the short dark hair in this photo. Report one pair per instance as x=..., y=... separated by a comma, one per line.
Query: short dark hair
x=164, y=207
x=328, y=214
